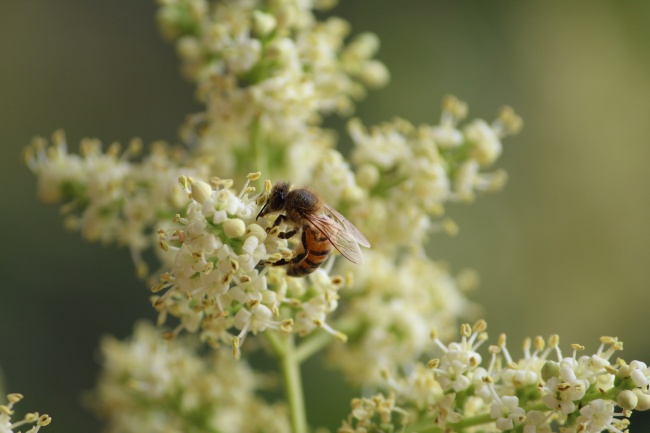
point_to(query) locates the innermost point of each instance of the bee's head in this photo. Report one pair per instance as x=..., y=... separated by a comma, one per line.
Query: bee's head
x=276, y=200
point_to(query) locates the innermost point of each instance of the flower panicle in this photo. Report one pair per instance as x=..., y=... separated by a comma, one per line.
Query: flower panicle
x=579, y=392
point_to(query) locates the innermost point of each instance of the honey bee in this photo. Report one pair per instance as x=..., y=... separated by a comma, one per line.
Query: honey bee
x=321, y=225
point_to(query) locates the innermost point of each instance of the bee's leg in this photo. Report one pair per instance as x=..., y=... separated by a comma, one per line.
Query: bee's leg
x=302, y=253
x=280, y=262
x=299, y=257
x=287, y=235
x=277, y=222
x=295, y=259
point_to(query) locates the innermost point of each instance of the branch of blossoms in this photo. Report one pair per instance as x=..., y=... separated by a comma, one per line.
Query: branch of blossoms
x=542, y=390
x=268, y=71
x=108, y=195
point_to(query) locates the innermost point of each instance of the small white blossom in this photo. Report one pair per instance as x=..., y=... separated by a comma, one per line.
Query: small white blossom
x=506, y=412
x=597, y=416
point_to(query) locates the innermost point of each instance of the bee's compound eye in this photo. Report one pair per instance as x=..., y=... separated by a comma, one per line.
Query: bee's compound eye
x=279, y=196
x=277, y=200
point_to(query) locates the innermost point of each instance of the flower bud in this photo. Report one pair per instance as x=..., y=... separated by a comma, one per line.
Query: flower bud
x=627, y=399
x=234, y=228
x=263, y=23
x=367, y=176
x=550, y=369
x=643, y=400
x=201, y=191
x=375, y=74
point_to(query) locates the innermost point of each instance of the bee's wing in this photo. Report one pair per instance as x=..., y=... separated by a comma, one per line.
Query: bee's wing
x=348, y=226
x=338, y=236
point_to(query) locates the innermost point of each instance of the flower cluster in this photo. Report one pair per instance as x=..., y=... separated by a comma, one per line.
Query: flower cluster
x=404, y=177
x=372, y=414
x=411, y=172
x=222, y=276
x=458, y=391
x=7, y=411
x=108, y=195
x=387, y=313
x=149, y=384
x=268, y=71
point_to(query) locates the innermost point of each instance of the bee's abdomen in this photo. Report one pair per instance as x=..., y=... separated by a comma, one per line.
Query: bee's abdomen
x=318, y=249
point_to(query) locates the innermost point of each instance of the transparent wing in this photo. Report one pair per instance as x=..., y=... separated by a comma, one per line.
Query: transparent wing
x=348, y=226
x=343, y=241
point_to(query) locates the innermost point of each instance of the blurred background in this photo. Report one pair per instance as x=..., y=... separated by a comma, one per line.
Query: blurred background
x=563, y=249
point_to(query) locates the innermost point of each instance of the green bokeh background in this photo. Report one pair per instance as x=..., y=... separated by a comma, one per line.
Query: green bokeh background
x=563, y=249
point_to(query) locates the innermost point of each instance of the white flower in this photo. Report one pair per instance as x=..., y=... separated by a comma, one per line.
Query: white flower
x=506, y=412
x=561, y=395
x=597, y=416
x=640, y=374
x=487, y=145
x=459, y=359
x=537, y=422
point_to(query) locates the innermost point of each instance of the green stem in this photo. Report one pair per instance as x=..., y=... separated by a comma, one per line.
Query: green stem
x=285, y=350
x=258, y=149
x=276, y=344
x=422, y=427
x=312, y=345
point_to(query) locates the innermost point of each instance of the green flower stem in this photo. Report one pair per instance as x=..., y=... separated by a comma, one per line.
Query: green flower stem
x=285, y=350
x=312, y=345
x=472, y=421
x=258, y=148
x=276, y=344
x=425, y=426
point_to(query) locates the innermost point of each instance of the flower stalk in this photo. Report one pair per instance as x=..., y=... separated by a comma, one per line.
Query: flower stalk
x=285, y=350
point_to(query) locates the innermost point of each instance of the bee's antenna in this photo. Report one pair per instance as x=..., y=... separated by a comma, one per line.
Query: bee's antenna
x=262, y=211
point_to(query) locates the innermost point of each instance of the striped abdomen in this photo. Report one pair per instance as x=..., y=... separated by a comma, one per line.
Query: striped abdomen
x=315, y=248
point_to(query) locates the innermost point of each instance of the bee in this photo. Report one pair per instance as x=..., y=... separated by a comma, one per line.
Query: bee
x=321, y=225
